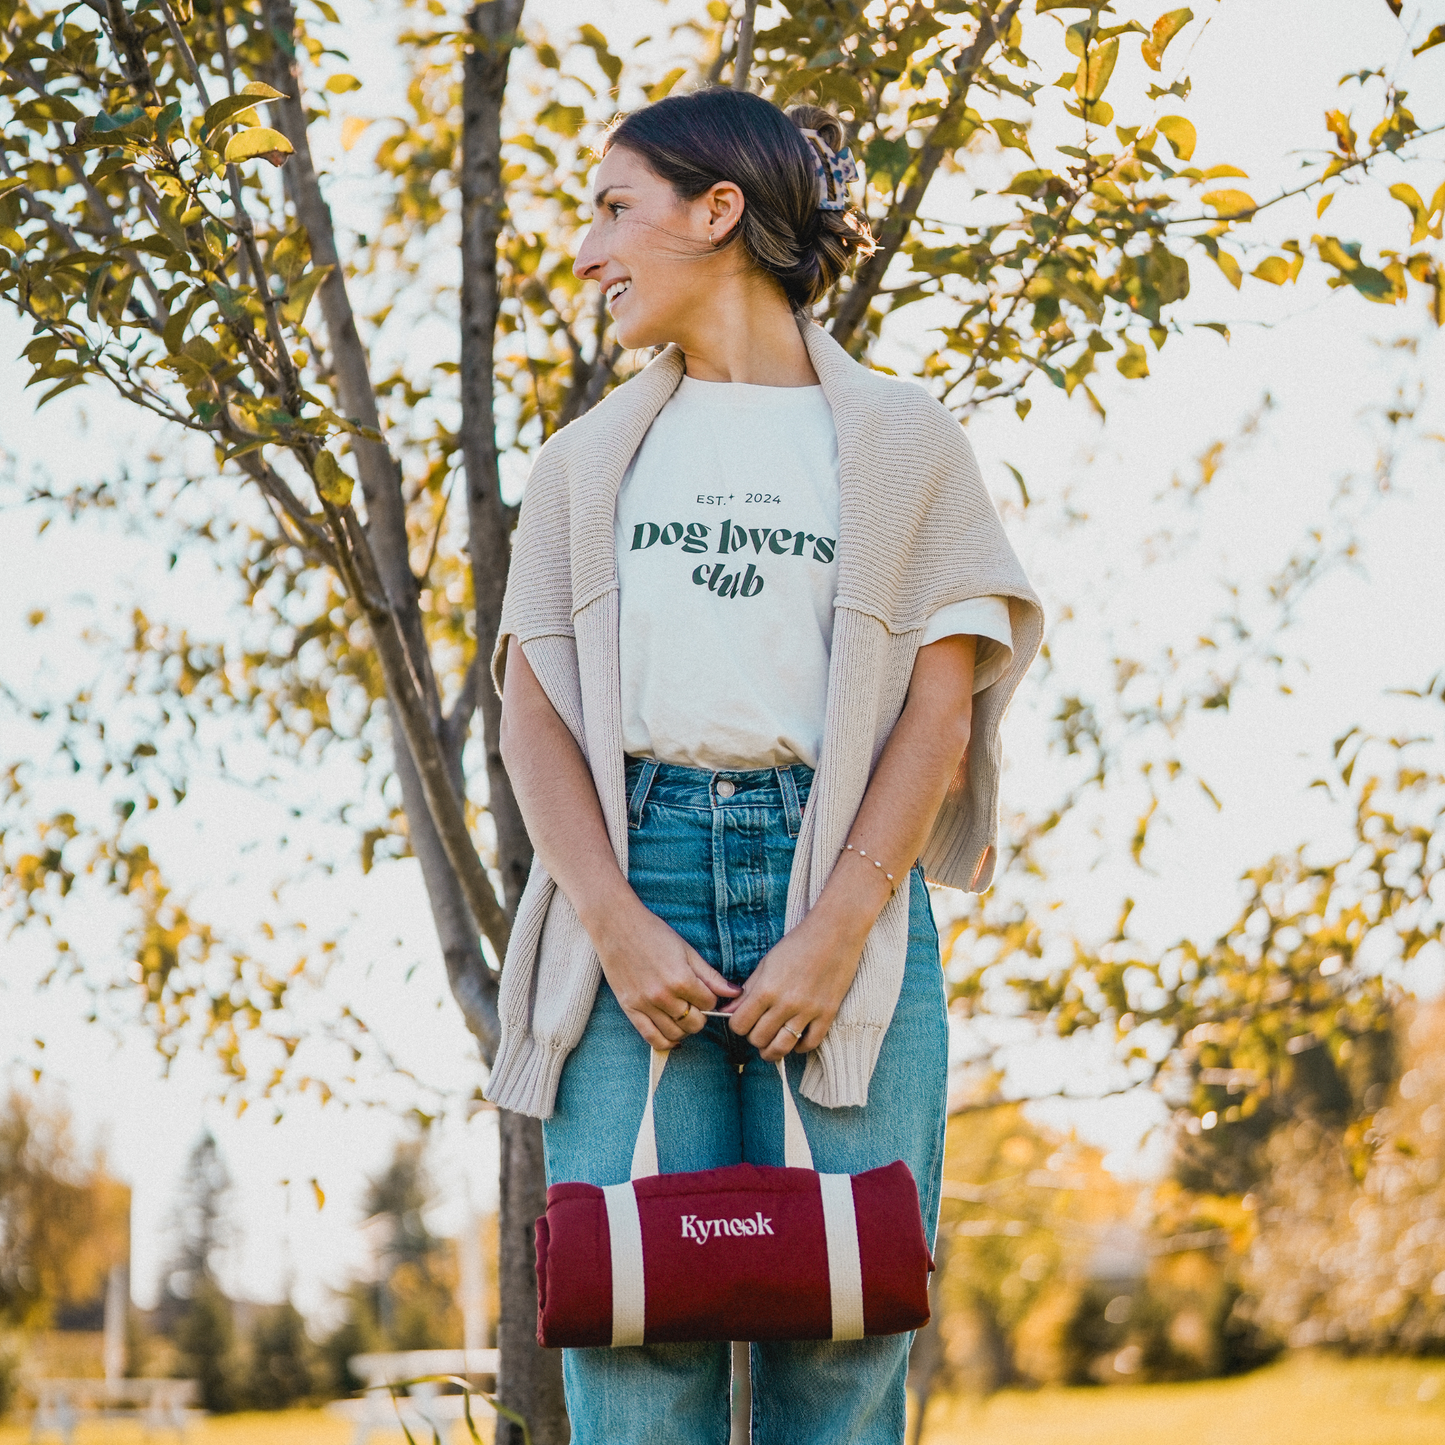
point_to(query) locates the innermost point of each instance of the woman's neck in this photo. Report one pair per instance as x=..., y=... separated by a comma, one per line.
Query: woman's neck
x=746, y=332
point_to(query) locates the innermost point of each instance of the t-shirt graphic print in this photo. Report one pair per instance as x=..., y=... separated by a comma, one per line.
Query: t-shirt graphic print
x=727, y=526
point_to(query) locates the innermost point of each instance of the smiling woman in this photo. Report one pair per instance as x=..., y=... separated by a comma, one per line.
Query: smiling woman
x=766, y=623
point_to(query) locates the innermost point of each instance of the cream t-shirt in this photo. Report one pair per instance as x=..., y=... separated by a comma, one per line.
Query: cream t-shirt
x=727, y=527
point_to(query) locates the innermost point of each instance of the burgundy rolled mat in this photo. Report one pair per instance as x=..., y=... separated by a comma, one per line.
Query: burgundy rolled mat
x=741, y=1253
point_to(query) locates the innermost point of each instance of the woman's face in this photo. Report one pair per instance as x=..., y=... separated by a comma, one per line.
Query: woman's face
x=652, y=254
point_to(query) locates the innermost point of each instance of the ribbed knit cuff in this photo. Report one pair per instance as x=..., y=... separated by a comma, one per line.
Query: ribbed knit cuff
x=838, y=1071
x=526, y=1073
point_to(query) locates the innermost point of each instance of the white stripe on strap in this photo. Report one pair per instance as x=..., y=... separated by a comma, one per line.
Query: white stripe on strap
x=629, y=1295
x=845, y=1268
x=796, y=1154
x=644, y=1152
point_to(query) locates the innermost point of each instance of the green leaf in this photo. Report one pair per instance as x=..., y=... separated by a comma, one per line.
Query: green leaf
x=1093, y=79
x=1012, y=135
x=596, y=42
x=332, y=483
x=10, y=183
x=128, y=115
x=1018, y=476
x=1133, y=363
x=260, y=141
x=664, y=86
x=223, y=112
x=1166, y=27
x=291, y=254
x=1230, y=203
x=1042, y=6
x=1180, y=134
x=298, y=297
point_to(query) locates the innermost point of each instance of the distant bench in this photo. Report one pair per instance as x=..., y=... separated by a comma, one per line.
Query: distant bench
x=423, y=1406
x=60, y=1405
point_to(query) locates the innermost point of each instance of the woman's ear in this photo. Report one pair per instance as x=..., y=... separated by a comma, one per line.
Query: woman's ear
x=724, y=211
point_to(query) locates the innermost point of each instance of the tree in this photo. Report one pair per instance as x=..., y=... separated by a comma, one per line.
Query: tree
x=280, y=1372
x=416, y=1295
x=141, y=238
x=64, y=1221
x=201, y=1229
x=206, y=1348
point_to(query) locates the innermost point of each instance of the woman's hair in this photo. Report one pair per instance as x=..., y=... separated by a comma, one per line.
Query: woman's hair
x=694, y=141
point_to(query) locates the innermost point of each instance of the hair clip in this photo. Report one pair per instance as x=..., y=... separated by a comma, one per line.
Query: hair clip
x=836, y=169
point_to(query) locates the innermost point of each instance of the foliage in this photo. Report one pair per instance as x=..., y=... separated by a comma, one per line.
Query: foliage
x=63, y=1220
x=164, y=230
x=1290, y=1011
x=1352, y=1252
x=206, y=1345
x=147, y=260
x=281, y=1369
x=200, y=1228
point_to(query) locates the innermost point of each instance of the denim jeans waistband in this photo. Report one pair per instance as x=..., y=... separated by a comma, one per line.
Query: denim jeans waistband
x=670, y=785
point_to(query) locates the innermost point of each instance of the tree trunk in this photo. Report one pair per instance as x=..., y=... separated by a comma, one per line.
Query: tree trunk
x=530, y=1381
x=530, y=1378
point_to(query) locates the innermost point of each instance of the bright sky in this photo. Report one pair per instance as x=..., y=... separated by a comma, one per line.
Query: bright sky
x=1138, y=574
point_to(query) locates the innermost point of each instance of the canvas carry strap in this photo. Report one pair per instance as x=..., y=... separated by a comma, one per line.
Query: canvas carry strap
x=624, y=1225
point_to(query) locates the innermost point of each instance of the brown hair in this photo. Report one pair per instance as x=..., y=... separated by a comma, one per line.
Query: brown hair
x=694, y=141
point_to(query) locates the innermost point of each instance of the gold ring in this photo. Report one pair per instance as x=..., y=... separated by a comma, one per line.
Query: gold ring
x=683, y=1014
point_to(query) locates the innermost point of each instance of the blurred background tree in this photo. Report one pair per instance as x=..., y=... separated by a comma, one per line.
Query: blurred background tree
x=146, y=237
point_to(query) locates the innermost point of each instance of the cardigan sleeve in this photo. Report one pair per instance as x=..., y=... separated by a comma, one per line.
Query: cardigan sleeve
x=538, y=601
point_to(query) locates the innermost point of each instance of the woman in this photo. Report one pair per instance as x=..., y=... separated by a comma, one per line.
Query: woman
x=762, y=608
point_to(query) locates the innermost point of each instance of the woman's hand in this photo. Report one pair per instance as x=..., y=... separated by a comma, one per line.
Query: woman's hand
x=663, y=985
x=794, y=994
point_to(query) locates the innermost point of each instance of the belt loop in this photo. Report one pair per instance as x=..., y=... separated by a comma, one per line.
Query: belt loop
x=640, y=790
x=788, y=787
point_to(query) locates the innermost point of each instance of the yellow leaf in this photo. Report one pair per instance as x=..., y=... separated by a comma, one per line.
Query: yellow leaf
x=260, y=140
x=1092, y=80
x=1230, y=267
x=1166, y=27
x=320, y=1194
x=1409, y=197
x=1230, y=203
x=1217, y=173
x=263, y=91
x=340, y=84
x=1324, y=204
x=1274, y=269
x=331, y=482
x=352, y=129
x=1180, y=134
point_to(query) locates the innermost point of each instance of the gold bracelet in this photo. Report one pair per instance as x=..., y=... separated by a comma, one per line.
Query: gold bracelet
x=862, y=853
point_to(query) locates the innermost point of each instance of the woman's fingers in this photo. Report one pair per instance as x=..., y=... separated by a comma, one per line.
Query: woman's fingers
x=711, y=979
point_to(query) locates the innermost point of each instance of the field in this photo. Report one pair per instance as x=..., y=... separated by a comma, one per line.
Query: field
x=1317, y=1400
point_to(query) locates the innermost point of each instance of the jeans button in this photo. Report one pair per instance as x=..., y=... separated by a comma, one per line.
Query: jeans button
x=725, y=788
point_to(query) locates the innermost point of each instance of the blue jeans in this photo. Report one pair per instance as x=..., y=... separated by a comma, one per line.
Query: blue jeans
x=716, y=869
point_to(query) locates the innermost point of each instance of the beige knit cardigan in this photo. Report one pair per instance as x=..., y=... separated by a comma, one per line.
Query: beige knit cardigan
x=917, y=531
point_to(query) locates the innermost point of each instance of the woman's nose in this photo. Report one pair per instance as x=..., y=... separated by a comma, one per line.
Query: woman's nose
x=588, y=260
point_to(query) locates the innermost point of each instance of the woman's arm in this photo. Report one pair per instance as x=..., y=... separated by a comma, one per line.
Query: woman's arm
x=802, y=981
x=653, y=972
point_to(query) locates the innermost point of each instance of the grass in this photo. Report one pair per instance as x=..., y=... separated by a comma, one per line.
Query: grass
x=1306, y=1400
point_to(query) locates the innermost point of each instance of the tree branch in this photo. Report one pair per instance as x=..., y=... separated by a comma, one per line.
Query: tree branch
x=894, y=231
x=743, y=52
x=493, y=26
